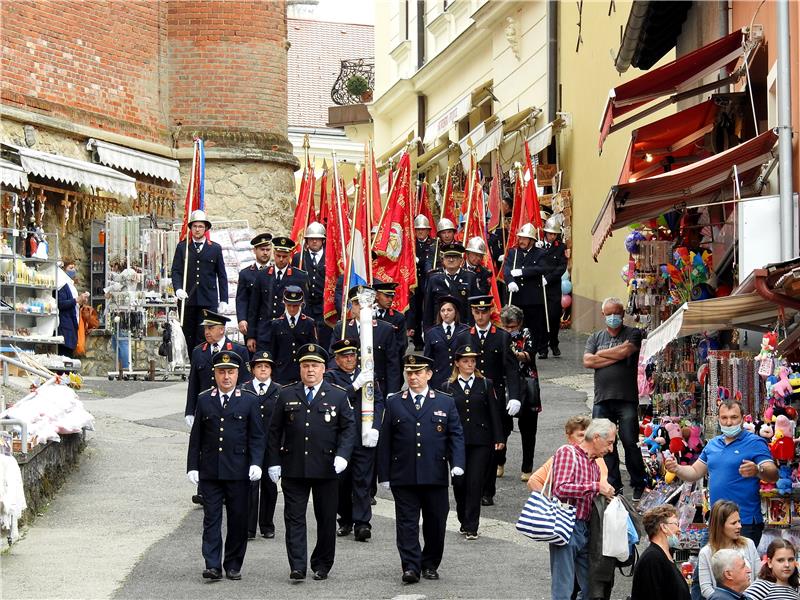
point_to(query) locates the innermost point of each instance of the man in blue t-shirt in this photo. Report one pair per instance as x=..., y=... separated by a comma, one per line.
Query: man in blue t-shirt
x=735, y=462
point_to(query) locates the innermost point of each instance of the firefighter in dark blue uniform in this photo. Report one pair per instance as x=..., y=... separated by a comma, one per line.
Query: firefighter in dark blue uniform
x=226, y=451
x=287, y=334
x=453, y=281
x=267, y=296
x=420, y=435
x=483, y=434
x=313, y=263
x=388, y=358
x=263, y=493
x=423, y=247
x=310, y=441
x=440, y=340
x=445, y=235
x=551, y=258
x=201, y=373
x=497, y=363
x=475, y=251
x=384, y=297
x=355, y=508
x=523, y=276
x=206, y=280
x=262, y=249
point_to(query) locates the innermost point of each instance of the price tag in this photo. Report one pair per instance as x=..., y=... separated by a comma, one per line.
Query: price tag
x=15, y=232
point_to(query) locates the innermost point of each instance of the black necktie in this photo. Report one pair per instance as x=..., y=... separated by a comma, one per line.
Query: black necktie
x=418, y=401
x=352, y=377
x=314, y=258
x=214, y=348
x=482, y=336
x=448, y=331
x=261, y=390
x=381, y=314
x=466, y=385
x=224, y=400
x=278, y=276
x=197, y=246
x=291, y=321
x=547, y=245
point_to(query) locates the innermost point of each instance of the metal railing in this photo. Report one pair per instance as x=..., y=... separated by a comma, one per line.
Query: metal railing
x=358, y=67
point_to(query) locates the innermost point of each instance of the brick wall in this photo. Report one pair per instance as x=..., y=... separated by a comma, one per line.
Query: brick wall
x=228, y=64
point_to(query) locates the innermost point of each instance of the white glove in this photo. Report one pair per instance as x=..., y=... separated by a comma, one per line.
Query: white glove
x=255, y=473
x=513, y=287
x=194, y=477
x=385, y=485
x=539, y=244
x=372, y=438
x=513, y=407
x=222, y=308
x=339, y=464
x=189, y=420
x=516, y=272
x=181, y=295
x=456, y=471
x=500, y=258
x=544, y=280
x=363, y=378
x=274, y=473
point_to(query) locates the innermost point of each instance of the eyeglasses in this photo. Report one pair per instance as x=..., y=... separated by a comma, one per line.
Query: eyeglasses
x=672, y=523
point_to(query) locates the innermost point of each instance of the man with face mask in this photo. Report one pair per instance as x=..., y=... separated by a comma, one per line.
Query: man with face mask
x=735, y=462
x=613, y=353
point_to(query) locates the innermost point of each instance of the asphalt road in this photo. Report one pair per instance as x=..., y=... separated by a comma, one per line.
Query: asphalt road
x=123, y=526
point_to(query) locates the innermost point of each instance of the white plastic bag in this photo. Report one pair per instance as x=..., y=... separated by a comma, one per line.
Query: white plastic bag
x=615, y=531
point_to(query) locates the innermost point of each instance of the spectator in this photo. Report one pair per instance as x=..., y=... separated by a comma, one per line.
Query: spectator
x=576, y=481
x=735, y=461
x=69, y=303
x=732, y=574
x=778, y=578
x=724, y=532
x=613, y=353
x=575, y=429
x=656, y=577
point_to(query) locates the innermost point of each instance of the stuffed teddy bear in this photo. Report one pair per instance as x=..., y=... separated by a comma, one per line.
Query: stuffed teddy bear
x=784, y=484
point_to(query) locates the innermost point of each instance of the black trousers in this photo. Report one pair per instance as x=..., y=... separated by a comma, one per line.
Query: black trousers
x=433, y=503
x=417, y=301
x=263, y=497
x=468, y=488
x=324, y=333
x=528, y=423
x=192, y=330
x=355, y=482
x=625, y=415
x=234, y=494
x=295, y=496
x=66, y=351
x=498, y=458
x=542, y=339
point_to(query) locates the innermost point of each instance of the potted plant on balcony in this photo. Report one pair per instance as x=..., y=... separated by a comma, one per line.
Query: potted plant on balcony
x=358, y=86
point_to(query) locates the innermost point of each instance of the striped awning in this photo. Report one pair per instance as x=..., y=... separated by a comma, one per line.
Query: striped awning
x=12, y=175
x=127, y=159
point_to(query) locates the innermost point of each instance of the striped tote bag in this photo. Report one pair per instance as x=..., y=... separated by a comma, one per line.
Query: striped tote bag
x=545, y=518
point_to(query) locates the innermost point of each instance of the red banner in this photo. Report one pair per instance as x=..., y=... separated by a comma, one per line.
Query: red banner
x=424, y=207
x=304, y=213
x=338, y=237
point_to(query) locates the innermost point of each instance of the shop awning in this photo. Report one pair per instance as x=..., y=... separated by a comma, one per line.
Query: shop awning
x=673, y=79
x=692, y=185
x=711, y=315
x=133, y=160
x=12, y=175
x=669, y=142
x=652, y=30
x=76, y=172
x=483, y=139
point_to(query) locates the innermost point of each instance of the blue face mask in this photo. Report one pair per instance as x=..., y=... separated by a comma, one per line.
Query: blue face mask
x=71, y=273
x=730, y=430
x=614, y=321
x=673, y=541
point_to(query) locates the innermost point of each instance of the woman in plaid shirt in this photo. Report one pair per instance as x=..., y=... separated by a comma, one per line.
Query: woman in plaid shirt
x=576, y=481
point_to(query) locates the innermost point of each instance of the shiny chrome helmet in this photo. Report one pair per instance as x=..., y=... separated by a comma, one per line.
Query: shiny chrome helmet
x=476, y=245
x=315, y=230
x=421, y=222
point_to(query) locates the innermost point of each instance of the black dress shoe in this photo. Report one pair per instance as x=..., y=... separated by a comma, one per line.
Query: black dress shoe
x=297, y=574
x=212, y=573
x=268, y=534
x=362, y=534
x=343, y=531
x=373, y=501
x=430, y=573
x=233, y=574
x=410, y=577
x=486, y=501
x=542, y=355
x=320, y=575
x=251, y=536
x=197, y=499
x=556, y=352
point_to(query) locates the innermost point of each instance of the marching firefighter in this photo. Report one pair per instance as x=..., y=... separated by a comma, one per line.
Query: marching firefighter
x=262, y=250
x=384, y=296
x=424, y=246
x=313, y=257
x=288, y=333
x=552, y=260
x=440, y=340
x=453, y=281
x=475, y=251
x=445, y=235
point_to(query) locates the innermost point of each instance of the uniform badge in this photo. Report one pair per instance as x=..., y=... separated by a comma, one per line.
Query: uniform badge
x=439, y=428
x=311, y=348
x=333, y=413
x=327, y=417
x=226, y=358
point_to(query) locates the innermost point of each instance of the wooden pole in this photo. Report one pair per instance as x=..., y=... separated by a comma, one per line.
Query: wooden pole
x=370, y=200
x=188, y=232
x=349, y=263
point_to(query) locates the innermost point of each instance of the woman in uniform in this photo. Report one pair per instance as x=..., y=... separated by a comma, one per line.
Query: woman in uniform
x=483, y=433
x=440, y=340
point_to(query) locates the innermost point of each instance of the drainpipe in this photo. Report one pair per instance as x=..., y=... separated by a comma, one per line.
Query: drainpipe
x=552, y=60
x=422, y=117
x=785, y=131
x=420, y=33
x=763, y=290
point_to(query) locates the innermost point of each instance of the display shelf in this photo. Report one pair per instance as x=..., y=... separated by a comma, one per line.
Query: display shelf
x=31, y=339
x=27, y=286
x=23, y=313
x=27, y=259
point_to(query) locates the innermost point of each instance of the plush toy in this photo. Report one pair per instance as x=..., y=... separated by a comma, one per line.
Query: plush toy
x=784, y=483
x=695, y=441
x=783, y=388
x=748, y=424
x=765, y=431
x=656, y=440
x=768, y=343
x=785, y=426
x=645, y=428
x=782, y=447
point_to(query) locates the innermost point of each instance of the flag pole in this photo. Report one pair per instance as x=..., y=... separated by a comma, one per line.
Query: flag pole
x=188, y=212
x=471, y=188
x=305, y=188
x=370, y=200
x=349, y=260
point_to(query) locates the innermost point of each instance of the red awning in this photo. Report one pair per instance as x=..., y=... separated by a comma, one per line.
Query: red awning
x=692, y=185
x=669, y=143
x=681, y=75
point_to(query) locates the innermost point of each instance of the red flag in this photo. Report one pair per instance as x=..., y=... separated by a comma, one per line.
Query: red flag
x=322, y=216
x=338, y=237
x=495, y=205
x=518, y=218
x=194, y=191
x=449, y=203
x=531, y=195
x=394, y=244
x=424, y=207
x=376, y=193
x=304, y=212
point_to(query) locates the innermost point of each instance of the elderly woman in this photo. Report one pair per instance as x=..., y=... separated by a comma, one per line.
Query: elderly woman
x=69, y=303
x=656, y=577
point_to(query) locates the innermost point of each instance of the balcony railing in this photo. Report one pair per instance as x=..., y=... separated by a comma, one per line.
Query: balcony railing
x=361, y=67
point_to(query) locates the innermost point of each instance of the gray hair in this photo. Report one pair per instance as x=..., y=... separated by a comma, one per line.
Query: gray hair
x=511, y=313
x=724, y=560
x=601, y=427
x=613, y=300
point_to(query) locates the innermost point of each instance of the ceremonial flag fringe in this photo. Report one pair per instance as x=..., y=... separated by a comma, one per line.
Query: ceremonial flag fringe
x=195, y=192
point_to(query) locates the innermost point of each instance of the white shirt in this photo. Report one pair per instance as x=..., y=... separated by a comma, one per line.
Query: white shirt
x=290, y=317
x=257, y=385
x=220, y=345
x=423, y=393
x=229, y=394
x=201, y=241
x=316, y=256
x=314, y=389
x=281, y=272
x=468, y=382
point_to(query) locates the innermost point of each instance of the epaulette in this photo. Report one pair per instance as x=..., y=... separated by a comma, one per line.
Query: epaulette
x=336, y=385
x=205, y=346
x=303, y=316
